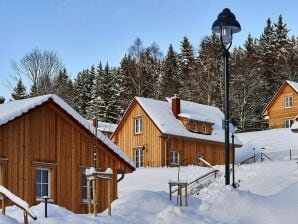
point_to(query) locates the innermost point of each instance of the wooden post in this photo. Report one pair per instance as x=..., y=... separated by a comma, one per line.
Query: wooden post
x=180, y=189
x=109, y=197
x=25, y=218
x=89, y=195
x=3, y=204
x=186, y=203
x=94, y=197
x=170, y=191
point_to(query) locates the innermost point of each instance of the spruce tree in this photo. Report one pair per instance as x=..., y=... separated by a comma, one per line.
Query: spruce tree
x=170, y=81
x=19, y=92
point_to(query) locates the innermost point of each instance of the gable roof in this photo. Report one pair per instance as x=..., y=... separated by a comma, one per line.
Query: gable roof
x=161, y=114
x=292, y=84
x=13, y=109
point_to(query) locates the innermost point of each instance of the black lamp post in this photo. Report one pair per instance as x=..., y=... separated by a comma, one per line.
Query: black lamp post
x=226, y=25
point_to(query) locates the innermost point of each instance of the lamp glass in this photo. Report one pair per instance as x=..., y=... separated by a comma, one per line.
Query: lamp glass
x=226, y=35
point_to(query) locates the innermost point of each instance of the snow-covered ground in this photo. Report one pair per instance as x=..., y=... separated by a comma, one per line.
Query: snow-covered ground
x=267, y=193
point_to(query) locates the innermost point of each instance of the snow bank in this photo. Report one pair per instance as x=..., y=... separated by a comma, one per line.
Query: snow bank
x=4, y=219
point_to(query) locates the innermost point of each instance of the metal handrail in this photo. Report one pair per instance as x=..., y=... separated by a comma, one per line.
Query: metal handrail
x=200, y=177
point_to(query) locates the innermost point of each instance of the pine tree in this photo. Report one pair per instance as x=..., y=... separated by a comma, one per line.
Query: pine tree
x=19, y=92
x=82, y=92
x=170, y=82
x=63, y=87
x=187, y=66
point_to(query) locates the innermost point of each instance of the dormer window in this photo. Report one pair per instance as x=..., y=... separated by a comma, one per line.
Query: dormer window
x=194, y=127
x=288, y=101
x=204, y=129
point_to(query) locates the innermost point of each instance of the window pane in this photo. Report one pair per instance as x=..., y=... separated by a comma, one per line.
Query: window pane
x=84, y=180
x=45, y=176
x=84, y=193
x=38, y=176
x=45, y=190
x=38, y=190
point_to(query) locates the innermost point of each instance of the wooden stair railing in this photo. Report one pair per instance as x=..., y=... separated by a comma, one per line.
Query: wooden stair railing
x=5, y=193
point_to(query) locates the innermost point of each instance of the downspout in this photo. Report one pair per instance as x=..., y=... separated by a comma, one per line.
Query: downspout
x=165, y=149
x=121, y=178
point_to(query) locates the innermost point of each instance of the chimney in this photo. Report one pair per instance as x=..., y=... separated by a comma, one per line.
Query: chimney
x=176, y=106
x=2, y=99
x=94, y=122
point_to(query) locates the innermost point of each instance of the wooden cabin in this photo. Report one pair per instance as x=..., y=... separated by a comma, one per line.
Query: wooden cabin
x=162, y=133
x=45, y=147
x=283, y=107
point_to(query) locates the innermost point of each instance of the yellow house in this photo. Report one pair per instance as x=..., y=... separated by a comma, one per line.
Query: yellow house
x=283, y=107
x=158, y=133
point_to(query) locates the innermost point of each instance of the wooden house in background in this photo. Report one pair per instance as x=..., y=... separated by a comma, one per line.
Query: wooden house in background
x=283, y=107
x=45, y=147
x=160, y=133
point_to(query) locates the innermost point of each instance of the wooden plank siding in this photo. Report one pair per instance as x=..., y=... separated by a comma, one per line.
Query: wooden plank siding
x=278, y=113
x=48, y=137
x=154, y=142
x=150, y=138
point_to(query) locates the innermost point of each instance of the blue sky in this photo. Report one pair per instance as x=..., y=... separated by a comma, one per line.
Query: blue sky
x=84, y=32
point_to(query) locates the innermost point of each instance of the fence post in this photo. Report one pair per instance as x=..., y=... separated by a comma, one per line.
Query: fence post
x=290, y=154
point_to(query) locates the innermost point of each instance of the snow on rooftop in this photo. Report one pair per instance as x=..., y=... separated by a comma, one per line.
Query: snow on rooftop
x=293, y=84
x=107, y=127
x=161, y=114
x=13, y=109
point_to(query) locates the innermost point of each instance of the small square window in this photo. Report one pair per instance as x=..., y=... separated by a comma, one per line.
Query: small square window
x=194, y=127
x=204, y=129
x=288, y=123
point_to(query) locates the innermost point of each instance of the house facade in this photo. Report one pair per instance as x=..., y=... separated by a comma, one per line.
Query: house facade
x=45, y=147
x=162, y=133
x=283, y=107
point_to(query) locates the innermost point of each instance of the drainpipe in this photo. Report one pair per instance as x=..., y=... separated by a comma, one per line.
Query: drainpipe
x=166, y=142
x=121, y=178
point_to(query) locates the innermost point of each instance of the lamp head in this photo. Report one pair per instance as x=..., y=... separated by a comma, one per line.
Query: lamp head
x=226, y=25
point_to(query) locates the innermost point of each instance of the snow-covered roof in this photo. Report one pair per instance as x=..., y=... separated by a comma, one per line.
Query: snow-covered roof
x=106, y=127
x=13, y=109
x=161, y=114
x=294, y=85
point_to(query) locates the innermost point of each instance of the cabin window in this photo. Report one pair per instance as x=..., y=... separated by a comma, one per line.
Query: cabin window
x=84, y=188
x=138, y=125
x=288, y=123
x=43, y=182
x=174, y=157
x=199, y=161
x=194, y=127
x=288, y=101
x=204, y=128
x=139, y=157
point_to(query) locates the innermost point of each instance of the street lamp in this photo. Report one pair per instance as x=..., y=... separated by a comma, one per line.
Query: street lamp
x=226, y=25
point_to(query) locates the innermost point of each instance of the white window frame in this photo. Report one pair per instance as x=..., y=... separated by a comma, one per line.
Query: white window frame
x=138, y=125
x=49, y=182
x=289, y=123
x=139, y=157
x=175, y=157
x=195, y=127
x=288, y=101
x=204, y=128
